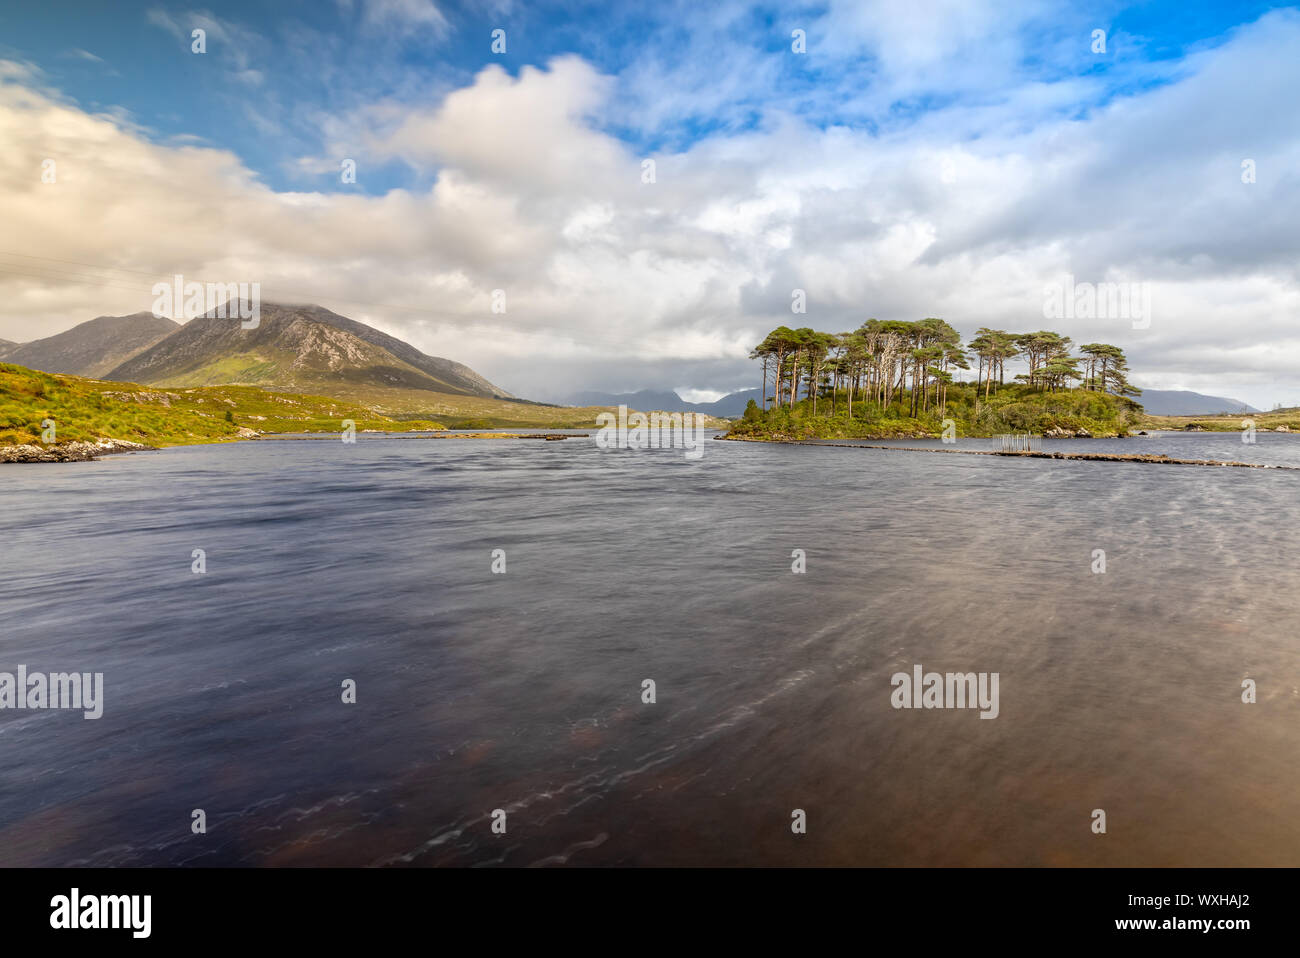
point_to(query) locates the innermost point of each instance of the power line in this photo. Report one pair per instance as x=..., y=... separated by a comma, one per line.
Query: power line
x=72, y=262
x=5, y=267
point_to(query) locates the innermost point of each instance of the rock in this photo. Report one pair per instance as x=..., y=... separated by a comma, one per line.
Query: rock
x=68, y=451
x=1282, y=429
x=245, y=433
x=1082, y=434
x=1057, y=433
x=162, y=398
x=1193, y=427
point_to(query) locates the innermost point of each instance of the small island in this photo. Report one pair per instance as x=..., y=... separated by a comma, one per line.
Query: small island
x=898, y=380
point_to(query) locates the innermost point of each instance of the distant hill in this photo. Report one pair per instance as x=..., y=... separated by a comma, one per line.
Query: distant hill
x=1158, y=402
x=92, y=348
x=1183, y=402
x=728, y=407
x=304, y=348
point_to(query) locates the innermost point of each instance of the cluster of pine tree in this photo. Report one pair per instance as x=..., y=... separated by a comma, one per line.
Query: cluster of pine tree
x=883, y=362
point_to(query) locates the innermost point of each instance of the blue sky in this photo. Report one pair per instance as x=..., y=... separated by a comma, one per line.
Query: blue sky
x=267, y=69
x=927, y=158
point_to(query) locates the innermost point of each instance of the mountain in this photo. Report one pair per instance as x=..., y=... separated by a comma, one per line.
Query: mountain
x=1183, y=402
x=733, y=404
x=728, y=407
x=304, y=348
x=643, y=399
x=93, y=348
x=1158, y=402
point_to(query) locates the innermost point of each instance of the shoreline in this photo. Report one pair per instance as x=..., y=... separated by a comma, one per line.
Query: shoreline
x=447, y=434
x=75, y=451
x=1076, y=456
x=81, y=451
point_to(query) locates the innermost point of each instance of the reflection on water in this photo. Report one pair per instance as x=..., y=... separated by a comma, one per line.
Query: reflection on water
x=522, y=691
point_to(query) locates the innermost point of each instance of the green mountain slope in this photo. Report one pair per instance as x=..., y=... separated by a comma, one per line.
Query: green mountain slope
x=303, y=348
x=93, y=347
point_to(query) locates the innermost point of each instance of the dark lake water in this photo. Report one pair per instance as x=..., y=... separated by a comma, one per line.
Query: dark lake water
x=523, y=692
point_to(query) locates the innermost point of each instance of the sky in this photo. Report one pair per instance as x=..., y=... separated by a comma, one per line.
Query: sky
x=951, y=158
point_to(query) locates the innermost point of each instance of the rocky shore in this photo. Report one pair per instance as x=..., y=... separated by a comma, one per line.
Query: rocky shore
x=1026, y=454
x=68, y=451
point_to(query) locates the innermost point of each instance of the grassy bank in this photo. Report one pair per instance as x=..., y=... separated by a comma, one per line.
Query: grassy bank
x=1013, y=408
x=1290, y=418
x=89, y=409
x=466, y=412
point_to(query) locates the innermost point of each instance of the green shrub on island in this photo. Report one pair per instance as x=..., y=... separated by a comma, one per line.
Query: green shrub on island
x=1013, y=408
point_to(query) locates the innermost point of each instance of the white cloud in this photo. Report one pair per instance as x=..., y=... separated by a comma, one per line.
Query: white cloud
x=405, y=13
x=223, y=39
x=616, y=284
x=79, y=54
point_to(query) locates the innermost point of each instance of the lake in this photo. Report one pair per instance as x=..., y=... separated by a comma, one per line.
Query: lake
x=523, y=692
